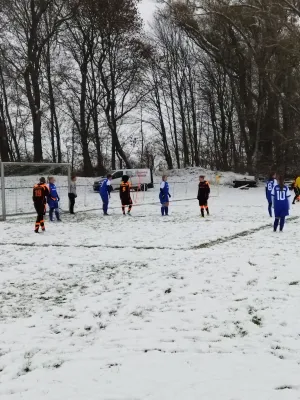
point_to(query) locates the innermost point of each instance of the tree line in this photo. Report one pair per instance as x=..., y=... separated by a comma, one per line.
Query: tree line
x=214, y=83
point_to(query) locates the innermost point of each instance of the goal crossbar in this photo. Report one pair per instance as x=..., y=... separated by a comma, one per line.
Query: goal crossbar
x=26, y=164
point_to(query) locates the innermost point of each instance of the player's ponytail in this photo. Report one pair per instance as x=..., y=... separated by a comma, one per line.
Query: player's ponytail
x=281, y=181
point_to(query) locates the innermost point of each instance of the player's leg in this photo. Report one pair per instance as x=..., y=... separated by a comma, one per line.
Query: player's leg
x=167, y=208
x=71, y=203
x=40, y=217
x=206, y=208
x=37, y=224
x=42, y=222
x=202, y=209
x=162, y=209
x=282, y=222
x=130, y=206
x=57, y=215
x=296, y=195
x=276, y=223
x=104, y=204
x=270, y=208
x=51, y=211
x=37, y=221
x=123, y=207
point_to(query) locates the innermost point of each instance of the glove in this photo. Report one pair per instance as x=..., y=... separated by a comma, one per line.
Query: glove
x=75, y=196
x=169, y=195
x=58, y=198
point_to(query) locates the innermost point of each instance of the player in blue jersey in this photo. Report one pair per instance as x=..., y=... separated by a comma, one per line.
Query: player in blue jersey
x=271, y=182
x=105, y=190
x=164, y=196
x=281, y=198
x=53, y=200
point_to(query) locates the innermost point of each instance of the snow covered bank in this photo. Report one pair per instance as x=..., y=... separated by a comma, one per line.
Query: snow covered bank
x=192, y=174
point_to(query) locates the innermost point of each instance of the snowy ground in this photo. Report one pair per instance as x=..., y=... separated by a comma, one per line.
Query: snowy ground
x=152, y=308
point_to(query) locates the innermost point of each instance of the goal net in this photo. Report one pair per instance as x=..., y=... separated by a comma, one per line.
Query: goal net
x=17, y=181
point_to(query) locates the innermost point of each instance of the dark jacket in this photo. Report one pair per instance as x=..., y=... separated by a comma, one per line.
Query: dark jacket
x=203, y=190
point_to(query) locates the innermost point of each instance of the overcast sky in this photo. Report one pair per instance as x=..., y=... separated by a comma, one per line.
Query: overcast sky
x=147, y=8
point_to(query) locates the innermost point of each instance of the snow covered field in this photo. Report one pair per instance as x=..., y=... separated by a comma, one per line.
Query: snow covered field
x=152, y=308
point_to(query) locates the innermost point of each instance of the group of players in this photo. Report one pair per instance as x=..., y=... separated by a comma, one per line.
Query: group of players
x=279, y=198
x=277, y=193
x=44, y=194
x=164, y=195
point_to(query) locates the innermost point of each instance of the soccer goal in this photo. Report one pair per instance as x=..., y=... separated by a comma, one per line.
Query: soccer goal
x=18, y=179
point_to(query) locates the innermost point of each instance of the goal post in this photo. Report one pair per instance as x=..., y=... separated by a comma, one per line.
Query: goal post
x=17, y=181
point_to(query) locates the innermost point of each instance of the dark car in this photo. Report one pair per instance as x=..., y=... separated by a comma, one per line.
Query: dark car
x=240, y=183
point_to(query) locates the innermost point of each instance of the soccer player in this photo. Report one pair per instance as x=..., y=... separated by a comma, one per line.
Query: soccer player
x=271, y=182
x=72, y=194
x=125, y=195
x=53, y=200
x=297, y=189
x=281, y=202
x=40, y=193
x=164, y=196
x=203, y=195
x=105, y=190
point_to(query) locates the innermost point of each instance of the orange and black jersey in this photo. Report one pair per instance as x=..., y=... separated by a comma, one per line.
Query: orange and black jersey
x=40, y=192
x=203, y=190
x=125, y=190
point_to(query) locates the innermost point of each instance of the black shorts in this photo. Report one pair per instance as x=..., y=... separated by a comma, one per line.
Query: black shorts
x=126, y=202
x=40, y=208
x=203, y=202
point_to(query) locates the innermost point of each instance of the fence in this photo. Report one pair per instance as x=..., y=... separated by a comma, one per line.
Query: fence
x=18, y=179
x=88, y=200
x=17, y=191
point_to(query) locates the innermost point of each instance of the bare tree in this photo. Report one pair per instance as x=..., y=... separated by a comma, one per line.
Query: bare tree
x=27, y=37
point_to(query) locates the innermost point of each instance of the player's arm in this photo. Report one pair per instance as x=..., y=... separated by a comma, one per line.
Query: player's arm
x=273, y=196
x=208, y=190
x=162, y=187
x=108, y=188
x=46, y=192
x=288, y=195
x=120, y=191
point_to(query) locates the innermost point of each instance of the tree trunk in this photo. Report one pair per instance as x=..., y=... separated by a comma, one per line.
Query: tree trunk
x=8, y=118
x=83, y=131
x=4, y=146
x=177, y=156
x=33, y=96
x=54, y=121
